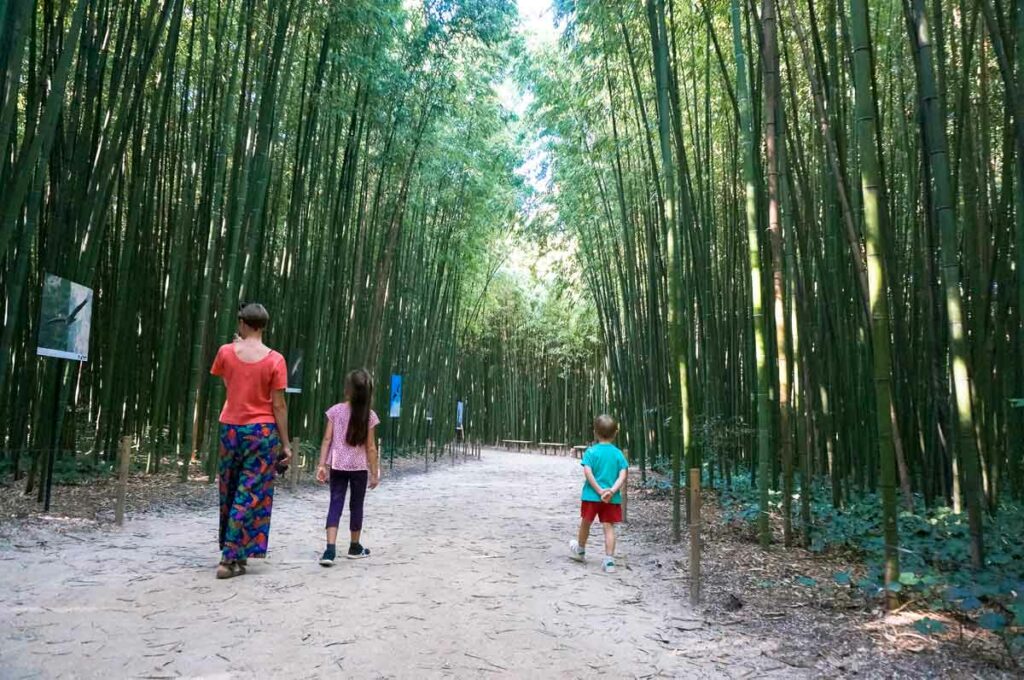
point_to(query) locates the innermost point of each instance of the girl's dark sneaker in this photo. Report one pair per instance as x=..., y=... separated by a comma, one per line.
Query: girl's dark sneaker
x=327, y=559
x=356, y=552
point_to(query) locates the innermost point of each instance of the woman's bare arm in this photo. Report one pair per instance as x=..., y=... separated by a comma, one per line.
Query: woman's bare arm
x=281, y=418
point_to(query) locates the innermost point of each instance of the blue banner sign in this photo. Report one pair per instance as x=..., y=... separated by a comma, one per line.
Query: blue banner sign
x=396, y=395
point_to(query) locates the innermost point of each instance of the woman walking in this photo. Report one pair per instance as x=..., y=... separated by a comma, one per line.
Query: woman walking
x=253, y=431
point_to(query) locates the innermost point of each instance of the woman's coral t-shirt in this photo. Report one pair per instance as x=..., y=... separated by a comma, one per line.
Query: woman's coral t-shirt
x=250, y=386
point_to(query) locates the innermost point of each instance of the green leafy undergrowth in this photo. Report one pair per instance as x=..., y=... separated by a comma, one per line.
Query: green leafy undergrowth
x=934, y=555
x=71, y=472
x=658, y=484
x=68, y=471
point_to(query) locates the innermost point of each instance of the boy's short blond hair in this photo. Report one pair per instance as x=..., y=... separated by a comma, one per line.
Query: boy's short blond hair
x=605, y=427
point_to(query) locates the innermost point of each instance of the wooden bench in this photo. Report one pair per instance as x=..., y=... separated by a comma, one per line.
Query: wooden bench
x=577, y=451
x=552, y=447
x=519, y=444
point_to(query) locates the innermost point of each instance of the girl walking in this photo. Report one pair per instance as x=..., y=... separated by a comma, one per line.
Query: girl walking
x=348, y=458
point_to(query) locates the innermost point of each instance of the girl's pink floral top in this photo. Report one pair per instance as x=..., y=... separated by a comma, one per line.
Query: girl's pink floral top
x=342, y=456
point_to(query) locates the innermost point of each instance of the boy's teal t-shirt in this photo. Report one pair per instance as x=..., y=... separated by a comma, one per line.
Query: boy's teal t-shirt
x=605, y=461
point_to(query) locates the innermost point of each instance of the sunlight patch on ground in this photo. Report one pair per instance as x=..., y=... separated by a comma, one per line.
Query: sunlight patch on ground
x=898, y=629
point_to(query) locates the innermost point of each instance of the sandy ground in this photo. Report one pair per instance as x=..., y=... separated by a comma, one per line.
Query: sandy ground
x=469, y=578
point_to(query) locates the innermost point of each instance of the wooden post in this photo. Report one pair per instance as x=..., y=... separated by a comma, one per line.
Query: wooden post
x=625, y=489
x=304, y=465
x=694, y=536
x=124, y=461
x=295, y=467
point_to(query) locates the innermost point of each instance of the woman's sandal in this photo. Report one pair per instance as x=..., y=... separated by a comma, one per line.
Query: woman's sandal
x=228, y=570
x=240, y=567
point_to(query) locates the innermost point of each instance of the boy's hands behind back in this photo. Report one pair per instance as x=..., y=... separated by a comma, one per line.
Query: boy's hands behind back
x=606, y=495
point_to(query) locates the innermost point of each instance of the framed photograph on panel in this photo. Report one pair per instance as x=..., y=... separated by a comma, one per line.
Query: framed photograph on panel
x=65, y=319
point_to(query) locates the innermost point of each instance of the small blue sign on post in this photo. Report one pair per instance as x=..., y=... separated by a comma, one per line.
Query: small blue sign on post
x=396, y=396
x=459, y=409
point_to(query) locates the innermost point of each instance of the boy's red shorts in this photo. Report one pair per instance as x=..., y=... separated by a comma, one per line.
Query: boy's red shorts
x=606, y=513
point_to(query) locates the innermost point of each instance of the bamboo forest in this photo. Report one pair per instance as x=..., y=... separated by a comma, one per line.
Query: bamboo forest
x=780, y=241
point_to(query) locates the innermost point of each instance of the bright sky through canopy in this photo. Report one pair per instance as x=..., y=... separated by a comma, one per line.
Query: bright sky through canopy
x=538, y=30
x=537, y=27
x=537, y=22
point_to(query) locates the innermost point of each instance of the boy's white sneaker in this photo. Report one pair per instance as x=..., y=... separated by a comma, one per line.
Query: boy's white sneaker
x=576, y=553
x=609, y=565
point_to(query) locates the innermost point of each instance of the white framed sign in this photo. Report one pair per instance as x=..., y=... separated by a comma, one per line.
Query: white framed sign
x=294, y=362
x=65, y=319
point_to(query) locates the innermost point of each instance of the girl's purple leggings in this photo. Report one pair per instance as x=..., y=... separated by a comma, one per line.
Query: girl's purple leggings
x=340, y=481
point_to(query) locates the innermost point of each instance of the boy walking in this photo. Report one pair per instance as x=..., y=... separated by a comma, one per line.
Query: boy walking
x=604, y=467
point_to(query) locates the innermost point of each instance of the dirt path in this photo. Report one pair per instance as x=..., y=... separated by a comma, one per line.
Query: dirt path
x=469, y=578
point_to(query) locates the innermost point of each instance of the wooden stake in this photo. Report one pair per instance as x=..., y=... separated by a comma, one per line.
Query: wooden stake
x=124, y=461
x=625, y=489
x=295, y=468
x=694, y=536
